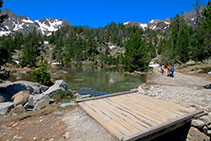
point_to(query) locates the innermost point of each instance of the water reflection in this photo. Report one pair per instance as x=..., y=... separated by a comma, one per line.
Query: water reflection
x=94, y=80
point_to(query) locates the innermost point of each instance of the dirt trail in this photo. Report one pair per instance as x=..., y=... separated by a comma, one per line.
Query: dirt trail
x=184, y=89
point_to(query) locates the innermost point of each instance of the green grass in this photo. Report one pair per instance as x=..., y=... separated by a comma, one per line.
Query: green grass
x=206, y=70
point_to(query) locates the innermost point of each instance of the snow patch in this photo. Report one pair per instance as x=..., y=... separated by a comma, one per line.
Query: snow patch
x=125, y=23
x=18, y=26
x=49, y=34
x=143, y=26
x=152, y=21
x=111, y=46
x=53, y=26
x=2, y=33
x=153, y=27
x=27, y=21
x=6, y=27
x=166, y=22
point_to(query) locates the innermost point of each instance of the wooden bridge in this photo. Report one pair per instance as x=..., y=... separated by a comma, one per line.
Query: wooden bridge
x=134, y=116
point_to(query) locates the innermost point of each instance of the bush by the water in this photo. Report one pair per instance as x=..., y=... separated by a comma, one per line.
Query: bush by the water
x=41, y=75
x=61, y=96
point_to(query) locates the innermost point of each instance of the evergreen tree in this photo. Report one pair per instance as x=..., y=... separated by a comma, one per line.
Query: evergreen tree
x=183, y=44
x=136, y=54
x=4, y=52
x=206, y=29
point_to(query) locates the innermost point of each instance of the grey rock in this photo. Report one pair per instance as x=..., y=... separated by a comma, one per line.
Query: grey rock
x=197, y=123
x=8, y=89
x=205, y=128
x=199, y=71
x=68, y=104
x=84, y=96
x=209, y=115
x=52, y=100
x=196, y=135
x=209, y=132
x=58, y=85
x=60, y=72
x=209, y=126
x=191, y=62
x=2, y=99
x=143, y=92
x=205, y=119
x=5, y=107
x=37, y=88
x=37, y=101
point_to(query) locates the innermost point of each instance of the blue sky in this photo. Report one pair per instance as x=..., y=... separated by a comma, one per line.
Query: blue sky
x=96, y=13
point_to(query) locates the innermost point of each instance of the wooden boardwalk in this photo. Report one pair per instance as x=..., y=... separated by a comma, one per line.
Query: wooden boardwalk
x=134, y=116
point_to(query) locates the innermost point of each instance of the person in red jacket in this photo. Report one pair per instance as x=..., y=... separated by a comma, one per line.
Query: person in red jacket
x=169, y=70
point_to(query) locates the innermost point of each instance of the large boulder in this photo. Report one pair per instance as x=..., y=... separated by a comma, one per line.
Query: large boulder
x=8, y=89
x=38, y=101
x=20, y=98
x=58, y=85
x=5, y=107
x=36, y=87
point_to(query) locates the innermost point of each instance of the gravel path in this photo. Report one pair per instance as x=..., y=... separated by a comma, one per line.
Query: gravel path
x=84, y=128
x=187, y=90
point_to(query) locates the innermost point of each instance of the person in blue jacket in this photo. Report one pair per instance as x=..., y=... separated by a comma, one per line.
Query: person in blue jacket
x=172, y=71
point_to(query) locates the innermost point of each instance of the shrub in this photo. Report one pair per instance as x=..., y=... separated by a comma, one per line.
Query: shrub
x=41, y=75
x=62, y=96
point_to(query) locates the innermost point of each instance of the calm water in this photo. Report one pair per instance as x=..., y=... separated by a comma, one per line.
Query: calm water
x=95, y=80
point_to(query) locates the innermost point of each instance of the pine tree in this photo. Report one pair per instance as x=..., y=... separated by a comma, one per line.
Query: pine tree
x=136, y=54
x=4, y=51
x=183, y=44
x=206, y=29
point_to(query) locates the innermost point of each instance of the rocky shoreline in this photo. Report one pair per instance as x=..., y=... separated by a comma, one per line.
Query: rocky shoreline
x=27, y=95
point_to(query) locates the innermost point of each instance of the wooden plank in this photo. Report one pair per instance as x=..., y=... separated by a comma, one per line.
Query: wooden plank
x=105, y=96
x=124, y=116
x=111, y=129
x=141, y=125
x=165, y=103
x=124, y=127
x=156, y=131
x=172, y=107
x=111, y=121
x=140, y=116
x=158, y=111
x=140, y=110
x=153, y=113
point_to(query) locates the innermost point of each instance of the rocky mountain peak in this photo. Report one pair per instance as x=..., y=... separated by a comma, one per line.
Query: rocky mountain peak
x=23, y=24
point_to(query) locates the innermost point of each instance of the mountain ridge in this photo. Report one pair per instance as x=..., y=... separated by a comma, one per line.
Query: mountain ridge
x=25, y=25
x=46, y=26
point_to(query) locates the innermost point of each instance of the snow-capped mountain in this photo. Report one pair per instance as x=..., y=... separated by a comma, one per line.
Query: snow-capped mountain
x=15, y=23
x=162, y=25
x=154, y=24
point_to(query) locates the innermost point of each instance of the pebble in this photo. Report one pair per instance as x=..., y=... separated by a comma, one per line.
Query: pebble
x=66, y=135
x=205, y=119
x=51, y=139
x=15, y=124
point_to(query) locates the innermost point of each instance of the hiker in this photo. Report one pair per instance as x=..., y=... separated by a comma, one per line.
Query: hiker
x=169, y=69
x=172, y=71
x=162, y=69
